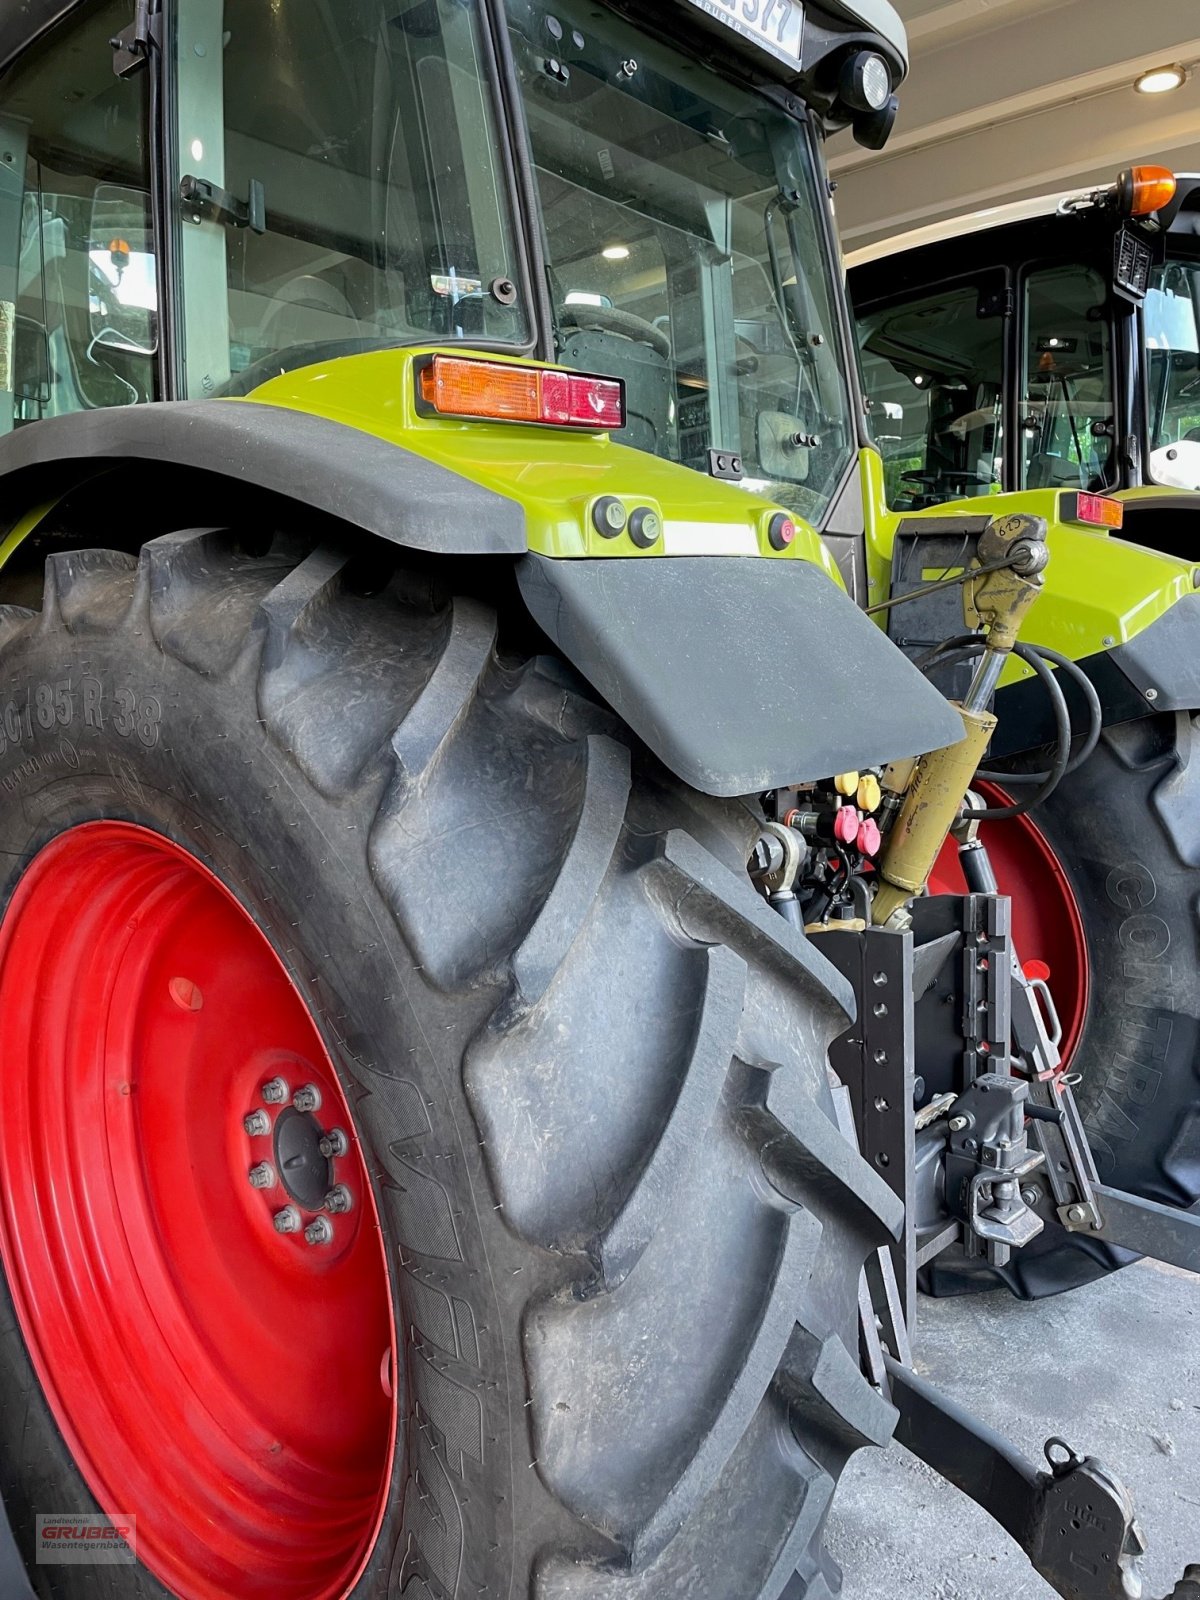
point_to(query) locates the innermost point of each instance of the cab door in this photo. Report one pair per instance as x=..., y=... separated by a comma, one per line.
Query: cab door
x=1067, y=433
x=79, y=314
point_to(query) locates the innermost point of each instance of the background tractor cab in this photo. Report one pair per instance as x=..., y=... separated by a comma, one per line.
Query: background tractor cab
x=1052, y=345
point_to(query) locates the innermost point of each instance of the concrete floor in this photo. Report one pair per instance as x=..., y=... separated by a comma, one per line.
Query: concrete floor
x=1113, y=1368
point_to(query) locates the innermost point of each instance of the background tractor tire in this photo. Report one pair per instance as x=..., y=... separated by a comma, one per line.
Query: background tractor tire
x=584, y=1062
x=1126, y=830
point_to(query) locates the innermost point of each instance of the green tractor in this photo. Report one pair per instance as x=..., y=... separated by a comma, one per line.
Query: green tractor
x=1047, y=360
x=454, y=818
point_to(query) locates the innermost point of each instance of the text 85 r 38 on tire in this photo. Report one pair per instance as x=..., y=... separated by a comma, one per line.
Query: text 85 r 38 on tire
x=582, y=1068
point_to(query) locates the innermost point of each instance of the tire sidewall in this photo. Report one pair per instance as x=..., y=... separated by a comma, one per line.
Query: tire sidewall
x=1139, y=1053
x=87, y=739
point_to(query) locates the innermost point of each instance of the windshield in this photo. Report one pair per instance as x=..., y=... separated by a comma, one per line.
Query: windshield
x=934, y=373
x=932, y=369
x=359, y=191
x=1171, y=319
x=1067, y=423
x=685, y=253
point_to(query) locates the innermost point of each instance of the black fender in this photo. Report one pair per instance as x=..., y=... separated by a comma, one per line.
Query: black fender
x=741, y=673
x=376, y=485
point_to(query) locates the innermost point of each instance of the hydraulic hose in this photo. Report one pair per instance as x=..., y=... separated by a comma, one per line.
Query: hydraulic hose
x=1095, y=720
x=966, y=646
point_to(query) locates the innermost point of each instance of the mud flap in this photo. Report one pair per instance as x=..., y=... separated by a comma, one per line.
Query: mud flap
x=741, y=674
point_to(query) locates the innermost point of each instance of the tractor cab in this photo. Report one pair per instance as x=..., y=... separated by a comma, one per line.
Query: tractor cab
x=1054, y=347
x=230, y=190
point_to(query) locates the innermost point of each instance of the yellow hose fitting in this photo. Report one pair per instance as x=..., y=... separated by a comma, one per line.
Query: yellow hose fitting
x=846, y=784
x=869, y=794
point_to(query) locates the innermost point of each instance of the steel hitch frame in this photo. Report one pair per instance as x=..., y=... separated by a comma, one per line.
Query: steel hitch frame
x=996, y=1153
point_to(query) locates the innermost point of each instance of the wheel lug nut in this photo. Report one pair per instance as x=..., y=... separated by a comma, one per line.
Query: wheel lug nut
x=262, y=1176
x=334, y=1143
x=308, y=1098
x=339, y=1199
x=319, y=1231
x=275, y=1092
x=256, y=1124
x=287, y=1220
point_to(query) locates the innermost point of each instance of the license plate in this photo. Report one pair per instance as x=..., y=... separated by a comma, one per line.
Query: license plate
x=774, y=25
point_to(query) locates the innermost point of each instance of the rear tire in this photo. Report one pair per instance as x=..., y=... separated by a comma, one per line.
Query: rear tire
x=586, y=1064
x=1126, y=829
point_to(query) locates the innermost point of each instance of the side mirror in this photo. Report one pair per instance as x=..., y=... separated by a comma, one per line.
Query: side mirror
x=123, y=288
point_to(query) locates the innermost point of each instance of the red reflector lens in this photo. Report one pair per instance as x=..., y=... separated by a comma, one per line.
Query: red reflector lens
x=1094, y=510
x=495, y=391
x=597, y=402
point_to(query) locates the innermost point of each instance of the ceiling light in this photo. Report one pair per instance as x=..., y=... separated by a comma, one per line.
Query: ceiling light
x=616, y=252
x=1161, y=80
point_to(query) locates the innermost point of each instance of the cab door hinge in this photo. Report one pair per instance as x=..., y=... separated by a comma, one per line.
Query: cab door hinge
x=996, y=303
x=203, y=199
x=131, y=47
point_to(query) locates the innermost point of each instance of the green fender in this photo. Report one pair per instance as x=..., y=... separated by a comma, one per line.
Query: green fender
x=1103, y=595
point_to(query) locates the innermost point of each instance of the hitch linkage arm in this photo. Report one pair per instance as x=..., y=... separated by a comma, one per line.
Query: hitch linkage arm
x=1076, y=1522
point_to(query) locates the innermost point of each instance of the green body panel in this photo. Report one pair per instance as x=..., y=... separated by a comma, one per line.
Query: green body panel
x=555, y=474
x=1099, y=591
x=1156, y=491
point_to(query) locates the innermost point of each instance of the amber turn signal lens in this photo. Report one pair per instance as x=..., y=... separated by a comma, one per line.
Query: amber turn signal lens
x=1093, y=510
x=501, y=391
x=1145, y=190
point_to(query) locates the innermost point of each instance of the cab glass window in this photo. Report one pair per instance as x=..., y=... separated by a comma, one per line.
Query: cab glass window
x=684, y=244
x=78, y=303
x=1067, y=419
x=342, y=184
x=932, y=371
x=1171, y=319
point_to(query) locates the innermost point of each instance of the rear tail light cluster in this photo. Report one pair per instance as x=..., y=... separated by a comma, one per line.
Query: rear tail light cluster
x=1093, y=510
x=497, y=391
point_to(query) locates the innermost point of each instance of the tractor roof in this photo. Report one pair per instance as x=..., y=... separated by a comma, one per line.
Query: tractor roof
x=880, y=17
x=21, y=21
x=1069, y=204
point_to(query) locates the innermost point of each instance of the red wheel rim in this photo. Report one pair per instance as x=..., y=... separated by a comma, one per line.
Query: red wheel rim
x=216, y=1378
x=1047, y=923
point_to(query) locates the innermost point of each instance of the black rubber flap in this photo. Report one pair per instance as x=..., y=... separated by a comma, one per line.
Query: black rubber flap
x=740, y=673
